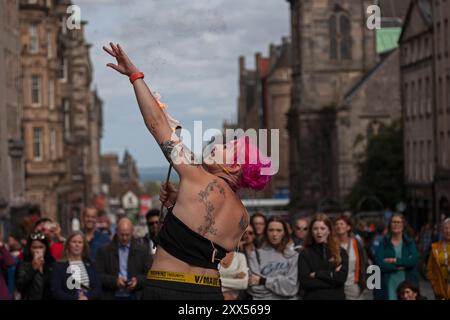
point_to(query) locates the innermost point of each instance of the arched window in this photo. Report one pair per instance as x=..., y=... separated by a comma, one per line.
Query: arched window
x=340, y=37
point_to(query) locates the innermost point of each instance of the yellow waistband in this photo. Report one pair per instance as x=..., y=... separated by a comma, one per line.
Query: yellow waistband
x=184, y=277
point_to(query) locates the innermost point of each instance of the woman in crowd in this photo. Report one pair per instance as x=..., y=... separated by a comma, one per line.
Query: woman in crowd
x=233, y=275
x=84, y=283
x=247, y=244
x=6, y=261
x=258, y=222
x=323, y=264
x=397, y=258
x=273, y=267
x=33, y=273
x=438, y=270
x=357, y=258
x=409, y=291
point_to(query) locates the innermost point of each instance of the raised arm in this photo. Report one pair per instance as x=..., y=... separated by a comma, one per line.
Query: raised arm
x=154, y=117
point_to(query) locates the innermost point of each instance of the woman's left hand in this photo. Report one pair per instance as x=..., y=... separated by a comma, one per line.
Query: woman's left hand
x=124, y=64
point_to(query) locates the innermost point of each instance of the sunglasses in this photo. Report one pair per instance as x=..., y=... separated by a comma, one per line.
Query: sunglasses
x=153, y=223
x=37, y=236
x=300, y=228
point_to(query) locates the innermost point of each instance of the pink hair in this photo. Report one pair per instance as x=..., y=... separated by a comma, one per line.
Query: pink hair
x=252, y=161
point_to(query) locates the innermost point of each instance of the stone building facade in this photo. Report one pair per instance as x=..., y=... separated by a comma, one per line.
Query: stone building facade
x=334, y=102
x=12, y=186
x=61, y=123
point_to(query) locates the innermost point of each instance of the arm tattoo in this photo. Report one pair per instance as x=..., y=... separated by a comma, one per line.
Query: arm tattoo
x=177, y=153
x=208, y=225
x=167, y=148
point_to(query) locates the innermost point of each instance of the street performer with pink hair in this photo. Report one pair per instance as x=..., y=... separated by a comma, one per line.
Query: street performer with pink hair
x=208, y=219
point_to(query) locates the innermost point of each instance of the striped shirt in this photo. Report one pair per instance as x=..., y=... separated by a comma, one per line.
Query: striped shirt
x=84, y=277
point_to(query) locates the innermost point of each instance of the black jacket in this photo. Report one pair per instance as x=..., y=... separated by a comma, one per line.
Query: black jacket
x=107, y=264
x=60, y=290
x=328, y=284
x=32, y=284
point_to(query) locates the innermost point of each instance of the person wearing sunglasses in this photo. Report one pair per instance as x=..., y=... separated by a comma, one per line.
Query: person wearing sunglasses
x=300, y=232
x=33, y=273
x=153, y=225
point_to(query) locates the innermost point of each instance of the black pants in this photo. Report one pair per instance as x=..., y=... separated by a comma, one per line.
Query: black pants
x=171, y=290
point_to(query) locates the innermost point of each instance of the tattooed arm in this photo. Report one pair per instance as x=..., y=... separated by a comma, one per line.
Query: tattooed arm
x=153, y=115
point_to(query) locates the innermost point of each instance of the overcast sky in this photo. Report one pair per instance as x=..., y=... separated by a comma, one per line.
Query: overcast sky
x=189, y=53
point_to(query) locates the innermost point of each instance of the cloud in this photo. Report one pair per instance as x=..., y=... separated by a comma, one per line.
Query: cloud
x=189, y=52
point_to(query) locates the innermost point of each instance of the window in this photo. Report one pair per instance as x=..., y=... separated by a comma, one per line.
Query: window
x=406, y=101
x=66, y=108
x=51, y=95
x=63, y=25
x=438, y=44
x=422, y=161
x=428, y=95
x=49, y=45
x=33, y=39
x=32, y=1
x=37, y=144
x=419, y=98
x=333, y=38
x=339, y=26
x=36, y=90
x=443, y=151
x=53, y=144
x=439, y=97
x=430, y=161
x=408, y=160
x=447, y=33
x=63, y=69
x=413, y=100
x=448, y=94
x=414, y=160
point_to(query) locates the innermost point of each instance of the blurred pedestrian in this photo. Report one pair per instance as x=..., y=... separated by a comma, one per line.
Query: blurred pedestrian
x=273, y=267
x=123, y=265
x=438, y=271
x=33, y=273
x=75, y=278
x=46, y=226
x=94, y=237
x=153, y=225
x=6, y=261
x=357, y=258
x=233, y=275
x=247, y=244
x=258, y=222
x=300, y=232
x=323, y=264
x=407, y=290
x=397, y=258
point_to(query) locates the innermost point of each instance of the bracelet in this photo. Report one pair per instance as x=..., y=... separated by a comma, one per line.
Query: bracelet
x=135, y=76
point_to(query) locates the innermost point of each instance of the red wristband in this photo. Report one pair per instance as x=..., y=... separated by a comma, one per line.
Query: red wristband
x=135, y=76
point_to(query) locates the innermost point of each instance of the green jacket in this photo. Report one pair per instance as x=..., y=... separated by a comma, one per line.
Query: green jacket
x=408, y=262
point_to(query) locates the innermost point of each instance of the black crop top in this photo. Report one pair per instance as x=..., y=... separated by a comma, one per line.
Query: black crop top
x=185, y=244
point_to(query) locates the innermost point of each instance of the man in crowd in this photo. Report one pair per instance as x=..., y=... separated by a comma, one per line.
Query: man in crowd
x=94, y=237
x=123, y=265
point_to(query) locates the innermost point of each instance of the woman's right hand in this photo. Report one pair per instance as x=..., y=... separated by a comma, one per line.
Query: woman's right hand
x=168, y=194
x=124, y=64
